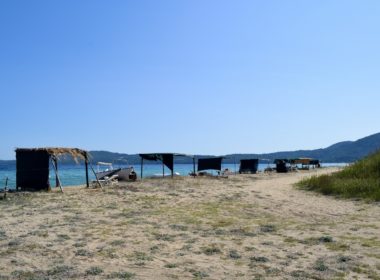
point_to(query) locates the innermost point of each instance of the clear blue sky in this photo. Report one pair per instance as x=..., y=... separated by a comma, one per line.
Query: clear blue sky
x=192, y=76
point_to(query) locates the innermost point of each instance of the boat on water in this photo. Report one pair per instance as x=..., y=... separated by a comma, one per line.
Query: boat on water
x=123, y=174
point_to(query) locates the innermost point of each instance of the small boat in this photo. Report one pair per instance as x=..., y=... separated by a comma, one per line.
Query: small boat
x=158, y=175
x=123, y=174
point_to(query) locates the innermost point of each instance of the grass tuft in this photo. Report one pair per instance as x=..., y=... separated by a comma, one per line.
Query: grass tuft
x=94, y=270
x=121, y=275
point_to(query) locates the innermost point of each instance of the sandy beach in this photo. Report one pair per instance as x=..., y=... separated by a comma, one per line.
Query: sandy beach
x=244, y=227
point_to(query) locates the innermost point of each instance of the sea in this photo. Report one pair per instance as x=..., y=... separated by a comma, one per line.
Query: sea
x=74, y=174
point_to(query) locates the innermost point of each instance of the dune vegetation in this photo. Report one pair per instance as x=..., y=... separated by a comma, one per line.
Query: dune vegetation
x=360, y=180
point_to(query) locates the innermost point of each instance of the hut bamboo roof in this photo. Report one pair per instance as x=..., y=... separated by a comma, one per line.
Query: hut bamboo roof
x=58, y=151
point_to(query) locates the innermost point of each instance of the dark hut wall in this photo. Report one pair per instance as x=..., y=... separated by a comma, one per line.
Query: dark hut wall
x=32, y=170
x=248, y=165
x=210, y=163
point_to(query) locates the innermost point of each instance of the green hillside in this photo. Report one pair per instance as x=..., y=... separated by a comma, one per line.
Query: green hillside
x=360, y=180
x=347, y=151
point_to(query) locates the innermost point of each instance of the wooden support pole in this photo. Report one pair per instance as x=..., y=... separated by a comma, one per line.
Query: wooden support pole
x=163, y=169
x=56, y=174
x=194, y=165
x=97, y=180
x=86, y=165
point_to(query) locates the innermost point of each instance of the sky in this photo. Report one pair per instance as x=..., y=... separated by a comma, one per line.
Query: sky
x=189, y=76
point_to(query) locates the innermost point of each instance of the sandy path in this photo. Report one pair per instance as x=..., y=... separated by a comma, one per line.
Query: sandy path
x=244, y=227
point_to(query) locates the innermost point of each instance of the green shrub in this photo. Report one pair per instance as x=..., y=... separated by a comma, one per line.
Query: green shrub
x=360, y=180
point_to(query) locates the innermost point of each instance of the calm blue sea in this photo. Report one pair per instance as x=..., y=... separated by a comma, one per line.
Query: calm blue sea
x=71, y=175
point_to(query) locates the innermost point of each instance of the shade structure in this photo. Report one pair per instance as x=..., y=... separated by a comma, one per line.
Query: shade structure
x=32, y=166
x=303, y=161
x=214, y=163
x=249, y=165
x=32, y=170
x=315, y=162
x=167, y=160
x=281, y=165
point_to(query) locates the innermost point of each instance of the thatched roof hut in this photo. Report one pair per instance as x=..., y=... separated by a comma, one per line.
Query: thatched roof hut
x=33, y=166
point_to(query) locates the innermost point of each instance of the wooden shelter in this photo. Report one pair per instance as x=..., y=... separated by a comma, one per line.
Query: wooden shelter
x=33, y=166
x=167, y=160
x=214, y=163
x=249, y=165
x=282, y=165
x=305, y=162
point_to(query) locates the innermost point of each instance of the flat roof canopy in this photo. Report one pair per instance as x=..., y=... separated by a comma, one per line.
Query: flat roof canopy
x=167, y=159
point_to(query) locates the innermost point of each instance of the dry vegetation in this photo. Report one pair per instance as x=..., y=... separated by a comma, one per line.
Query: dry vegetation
x=244, y=227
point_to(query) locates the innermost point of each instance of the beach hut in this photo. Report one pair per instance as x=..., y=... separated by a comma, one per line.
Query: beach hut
x=167, y=160
x=214, y=163
x=305, y=163
x=249, y=165
x=33, y=166
x=281, y=165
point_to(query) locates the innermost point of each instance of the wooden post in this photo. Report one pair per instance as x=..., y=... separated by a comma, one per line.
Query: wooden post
x=194, y=165
x=97, y=180
x=163, y=169
x=56, y=174
x=86, y=165
x=142, y=164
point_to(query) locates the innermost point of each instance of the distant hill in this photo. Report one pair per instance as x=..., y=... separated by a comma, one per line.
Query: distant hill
x=347, y=151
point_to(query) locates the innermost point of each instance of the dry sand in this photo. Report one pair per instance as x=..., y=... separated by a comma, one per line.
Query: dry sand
x=244, y=227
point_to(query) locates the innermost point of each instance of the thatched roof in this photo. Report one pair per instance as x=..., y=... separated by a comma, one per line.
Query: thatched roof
x=57, y=152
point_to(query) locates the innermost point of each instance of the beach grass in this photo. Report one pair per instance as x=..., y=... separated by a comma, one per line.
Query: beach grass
x=360, y=180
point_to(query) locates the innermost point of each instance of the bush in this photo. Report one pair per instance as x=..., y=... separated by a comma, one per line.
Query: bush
x=360, y=180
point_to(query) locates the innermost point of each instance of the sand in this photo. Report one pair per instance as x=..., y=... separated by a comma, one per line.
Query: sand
x=244, y=227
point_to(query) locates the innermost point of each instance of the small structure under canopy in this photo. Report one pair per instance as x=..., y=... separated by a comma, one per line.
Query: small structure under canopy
x=33, y=166
x=249, y=165
x=282, y=165
x=305, y=162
